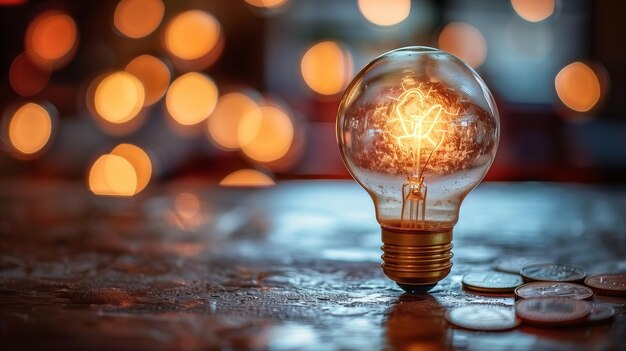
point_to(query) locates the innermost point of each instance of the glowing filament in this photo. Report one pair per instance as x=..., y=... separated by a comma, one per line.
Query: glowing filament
x=418, y=124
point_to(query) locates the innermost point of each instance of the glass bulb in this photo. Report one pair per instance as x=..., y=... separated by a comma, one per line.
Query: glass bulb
x=418, y=129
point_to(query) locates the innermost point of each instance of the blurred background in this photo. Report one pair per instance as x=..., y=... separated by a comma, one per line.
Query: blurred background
x=123, y=94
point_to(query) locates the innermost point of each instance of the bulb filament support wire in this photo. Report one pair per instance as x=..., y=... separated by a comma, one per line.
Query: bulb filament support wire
x=417, y=119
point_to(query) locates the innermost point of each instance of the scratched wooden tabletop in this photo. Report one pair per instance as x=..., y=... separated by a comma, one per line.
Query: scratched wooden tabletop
x=189, y=266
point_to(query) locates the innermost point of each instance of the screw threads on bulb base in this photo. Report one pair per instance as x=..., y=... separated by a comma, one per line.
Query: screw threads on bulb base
x=416, y=258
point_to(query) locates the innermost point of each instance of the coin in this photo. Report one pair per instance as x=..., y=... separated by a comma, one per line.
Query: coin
x=608, y=284
x=600, y=312
x=491, y=281
x=552, y=311
x=483, y=317
x=553, y=289
x=514, y=264
x=552, y=273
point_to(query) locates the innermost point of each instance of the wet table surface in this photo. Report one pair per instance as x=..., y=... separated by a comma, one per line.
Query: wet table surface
x=294, y=267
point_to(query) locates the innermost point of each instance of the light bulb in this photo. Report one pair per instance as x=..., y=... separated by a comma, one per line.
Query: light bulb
x=417, y=129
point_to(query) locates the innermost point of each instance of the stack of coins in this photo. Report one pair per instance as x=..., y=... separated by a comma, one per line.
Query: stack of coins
x=547, y=294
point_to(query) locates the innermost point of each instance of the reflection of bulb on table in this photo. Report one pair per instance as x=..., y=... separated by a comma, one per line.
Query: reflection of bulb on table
x=408, y=312
x=418, y=129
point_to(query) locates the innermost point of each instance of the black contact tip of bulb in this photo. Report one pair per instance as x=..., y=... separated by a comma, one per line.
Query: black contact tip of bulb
x=416, y=289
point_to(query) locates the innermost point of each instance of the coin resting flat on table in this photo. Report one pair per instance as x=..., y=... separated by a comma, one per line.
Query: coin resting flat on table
x=552, y=273
x=553, y=289
x=608, y=284
x=492, y=281
x=483, y=317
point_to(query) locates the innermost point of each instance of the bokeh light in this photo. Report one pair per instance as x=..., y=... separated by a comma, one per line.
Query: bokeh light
x=112, y=175
x=269, y=4
x=191, y=98
x=223, y=124
x=51, y=39
x=247, y=178
x=119, y=97
x=26, y=78
x=385, y=12
x=192, y=35
x=266, y=133
x=30, y=129
x=187, y=205
x=578, y=87
x=138, y=18
x=140, y=161
x=465, y=42
x=153, y=73
x=327, y=68
x=188, y=213
x=533, y=10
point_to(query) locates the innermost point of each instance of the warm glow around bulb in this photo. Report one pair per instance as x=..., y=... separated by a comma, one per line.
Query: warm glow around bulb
x=417, y=120
x=327, y=68
x=140, y=161
x=266, y=133
x=578, y=87
x=51, y=38
x=385, y=12
x=138, y=18
x=30, y=128
x=419, y=127
x=415, y=134
x=247, y=178
x=112, y=175
x=270, y=4
x=153, y=73
x=191, y=98
x=533, y=10
x=192, y=35
x=223, y=124
x=465, y=42
x=119, y=97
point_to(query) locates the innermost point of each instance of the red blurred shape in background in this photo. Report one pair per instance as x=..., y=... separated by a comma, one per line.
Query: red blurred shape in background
x=26, y=78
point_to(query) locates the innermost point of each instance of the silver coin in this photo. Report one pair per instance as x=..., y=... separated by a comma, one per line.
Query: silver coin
x=514, y=264
x=553, y=273
x=553, y=289
x=492, y=281
x=483, y=317
x=600, y=312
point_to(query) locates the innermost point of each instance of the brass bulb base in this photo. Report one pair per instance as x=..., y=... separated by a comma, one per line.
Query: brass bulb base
x=416, y=259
